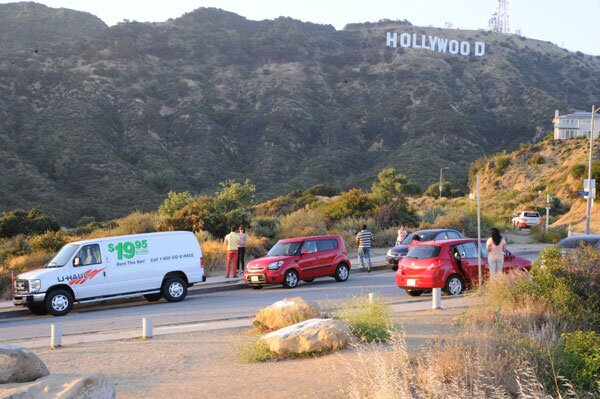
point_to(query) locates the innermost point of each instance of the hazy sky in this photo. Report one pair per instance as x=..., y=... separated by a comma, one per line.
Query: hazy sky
x=572, y=24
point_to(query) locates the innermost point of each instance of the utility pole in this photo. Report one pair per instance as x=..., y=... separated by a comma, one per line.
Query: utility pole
x=479, y=232
x=590, y=189
x=442, y=179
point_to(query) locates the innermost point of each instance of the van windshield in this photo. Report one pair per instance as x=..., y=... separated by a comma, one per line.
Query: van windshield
x=63, y=256
x=285, y=249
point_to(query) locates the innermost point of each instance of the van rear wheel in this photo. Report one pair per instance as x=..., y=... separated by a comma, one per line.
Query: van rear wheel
x=174, y=289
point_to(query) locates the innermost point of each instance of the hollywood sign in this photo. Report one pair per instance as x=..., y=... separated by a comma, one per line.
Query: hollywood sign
x=435, y=43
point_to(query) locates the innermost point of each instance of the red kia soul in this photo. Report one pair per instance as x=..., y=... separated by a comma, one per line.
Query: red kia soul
x=295, y=259
x=448, y=264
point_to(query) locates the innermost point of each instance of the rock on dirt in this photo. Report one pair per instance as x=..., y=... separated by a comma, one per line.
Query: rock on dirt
x=64, y=386
x=20, y=365
x=284, y=313
x=309, y=336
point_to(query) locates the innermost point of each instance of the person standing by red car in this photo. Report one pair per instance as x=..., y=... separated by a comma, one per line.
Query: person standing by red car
x=231, y=243
x=243, y=238
x=495, y=245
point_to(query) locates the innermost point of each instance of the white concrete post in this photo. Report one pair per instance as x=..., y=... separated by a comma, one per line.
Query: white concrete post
x=146, y=328
x=436, y=299
x=371, y=297
x=55, y=336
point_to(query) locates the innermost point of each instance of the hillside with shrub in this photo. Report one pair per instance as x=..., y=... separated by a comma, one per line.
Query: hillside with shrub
x=101, y=124
x=28, y=240
x=520, y=180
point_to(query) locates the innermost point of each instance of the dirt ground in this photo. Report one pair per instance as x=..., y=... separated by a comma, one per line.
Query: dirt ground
x=204, y=365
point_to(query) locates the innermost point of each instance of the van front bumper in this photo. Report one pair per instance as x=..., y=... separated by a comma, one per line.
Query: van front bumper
x=28, y=299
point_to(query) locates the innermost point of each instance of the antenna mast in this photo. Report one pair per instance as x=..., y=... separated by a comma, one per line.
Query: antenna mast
x=499, y=20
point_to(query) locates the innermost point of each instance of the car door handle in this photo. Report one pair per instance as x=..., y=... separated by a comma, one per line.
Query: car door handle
x=104, y=274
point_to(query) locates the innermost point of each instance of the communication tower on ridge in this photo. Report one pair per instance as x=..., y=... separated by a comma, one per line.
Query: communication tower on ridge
x=499, y=20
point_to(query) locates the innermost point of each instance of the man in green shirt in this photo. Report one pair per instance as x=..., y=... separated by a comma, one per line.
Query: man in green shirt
x=231, y=243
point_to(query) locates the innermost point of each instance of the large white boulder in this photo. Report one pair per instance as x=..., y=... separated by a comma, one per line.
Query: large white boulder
x=20, y=365
x=284, y=313
x=63, y=386
x=309, y=336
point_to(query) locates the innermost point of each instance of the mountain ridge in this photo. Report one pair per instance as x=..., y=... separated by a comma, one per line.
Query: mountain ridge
x=102, y=126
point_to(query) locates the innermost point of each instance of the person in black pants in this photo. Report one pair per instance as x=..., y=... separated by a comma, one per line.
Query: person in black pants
x=241, y=248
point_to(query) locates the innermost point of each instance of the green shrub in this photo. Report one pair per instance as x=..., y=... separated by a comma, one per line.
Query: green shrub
x=433, y=190
x=578, y=170
x=579, y=359
x=203, y=236
x=354, y=202
x=303, y=222
x=21, y=222
x=394, y=213
x=254, y=351
x=174, y=203
x=385, y=238
x=47, y=242
x=568, y=285
x=537, y=160
x=552, y=236
x=462, y=220
x=368, y=321
x=265, y=226
x=134, y=223
x=501, y=163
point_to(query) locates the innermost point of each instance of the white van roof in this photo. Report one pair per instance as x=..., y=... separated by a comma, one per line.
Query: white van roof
x=112, y=238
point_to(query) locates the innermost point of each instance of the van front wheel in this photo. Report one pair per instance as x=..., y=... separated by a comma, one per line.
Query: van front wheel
x=59, y=302
x=174, y=289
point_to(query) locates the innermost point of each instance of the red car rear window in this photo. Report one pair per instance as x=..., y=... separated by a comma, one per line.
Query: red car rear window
x=423, y=251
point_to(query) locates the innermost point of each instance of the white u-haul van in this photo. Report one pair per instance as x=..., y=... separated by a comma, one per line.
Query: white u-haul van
x=152, y=265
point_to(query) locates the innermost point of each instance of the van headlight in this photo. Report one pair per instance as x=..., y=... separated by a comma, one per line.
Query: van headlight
x=35, y=285
x=275, y=265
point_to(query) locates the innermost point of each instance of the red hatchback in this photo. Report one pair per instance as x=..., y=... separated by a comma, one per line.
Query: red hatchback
x=448, y=264
x=295, y=259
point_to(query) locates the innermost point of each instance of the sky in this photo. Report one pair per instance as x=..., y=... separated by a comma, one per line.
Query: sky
x=571, y=24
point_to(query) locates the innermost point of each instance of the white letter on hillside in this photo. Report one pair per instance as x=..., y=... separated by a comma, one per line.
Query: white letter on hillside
x=392, y=41
x=442, y=44
x=405, y=40
x=465, y=48
x=424, y=42
x=414, y=40
x=479, y=49
x=453, y=47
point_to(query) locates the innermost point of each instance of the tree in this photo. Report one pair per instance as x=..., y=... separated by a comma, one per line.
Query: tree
x=433, y=190
x=28, y=223
x=354, y=202
x=391, y=186
x=234, y=195
x=175, y=202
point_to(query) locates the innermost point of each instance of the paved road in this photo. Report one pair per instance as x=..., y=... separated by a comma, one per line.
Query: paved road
x=214, y=306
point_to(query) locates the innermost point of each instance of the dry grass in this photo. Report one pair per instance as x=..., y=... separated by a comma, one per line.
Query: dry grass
x=215, y=253
x=452, y=369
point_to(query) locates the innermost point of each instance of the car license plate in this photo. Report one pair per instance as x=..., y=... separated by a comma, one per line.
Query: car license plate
x=254, y=279
x=411, y=282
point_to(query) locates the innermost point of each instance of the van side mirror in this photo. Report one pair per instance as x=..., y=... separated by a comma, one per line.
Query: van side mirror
x=77, y=262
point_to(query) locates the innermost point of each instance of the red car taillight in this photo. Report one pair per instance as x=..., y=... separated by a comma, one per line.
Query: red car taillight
x=202, y=262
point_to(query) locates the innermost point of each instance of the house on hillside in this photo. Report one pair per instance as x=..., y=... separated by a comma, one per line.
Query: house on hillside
x=573, y=125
